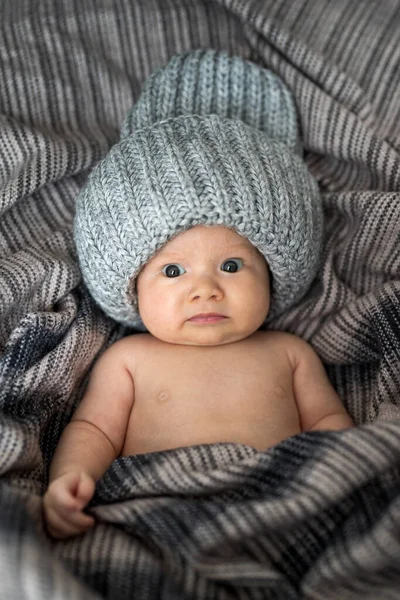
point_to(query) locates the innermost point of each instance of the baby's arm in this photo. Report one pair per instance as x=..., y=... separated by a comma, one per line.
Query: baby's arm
x=90, y=442
x=318, y=404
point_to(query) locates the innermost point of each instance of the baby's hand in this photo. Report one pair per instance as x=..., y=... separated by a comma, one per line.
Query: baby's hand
x=63, y=504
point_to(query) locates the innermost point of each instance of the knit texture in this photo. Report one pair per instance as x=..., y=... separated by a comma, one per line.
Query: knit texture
x=212, y=140
x=205, y=82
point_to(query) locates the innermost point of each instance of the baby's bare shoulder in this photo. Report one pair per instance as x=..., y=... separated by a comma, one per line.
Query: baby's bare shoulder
x=283, y=338
x=126, y=349
x=136, y=340
x=293, y=345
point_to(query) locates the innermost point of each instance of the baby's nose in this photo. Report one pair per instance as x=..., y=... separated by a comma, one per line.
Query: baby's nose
x=205, y=288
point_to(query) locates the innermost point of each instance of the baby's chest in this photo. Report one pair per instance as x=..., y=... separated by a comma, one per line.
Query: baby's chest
x=214, y=388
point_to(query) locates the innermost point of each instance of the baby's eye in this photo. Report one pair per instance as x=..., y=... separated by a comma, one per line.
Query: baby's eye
x=173, y=270
x=232, y=265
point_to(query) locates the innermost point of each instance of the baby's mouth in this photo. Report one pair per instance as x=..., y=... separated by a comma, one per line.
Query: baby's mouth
x=207, y=318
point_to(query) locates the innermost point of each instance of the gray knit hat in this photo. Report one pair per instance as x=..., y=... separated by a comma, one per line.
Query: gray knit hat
x=212, y=140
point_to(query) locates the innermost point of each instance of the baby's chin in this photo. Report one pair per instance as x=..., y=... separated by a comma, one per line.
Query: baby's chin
x=204, y=337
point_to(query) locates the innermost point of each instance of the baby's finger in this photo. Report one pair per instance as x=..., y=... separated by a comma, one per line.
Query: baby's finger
x=85, y=489
x=60, y=527
x=76, y=517
x=60, y=496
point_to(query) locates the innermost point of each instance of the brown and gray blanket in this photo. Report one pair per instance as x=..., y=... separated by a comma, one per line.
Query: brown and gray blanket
x=315, y=517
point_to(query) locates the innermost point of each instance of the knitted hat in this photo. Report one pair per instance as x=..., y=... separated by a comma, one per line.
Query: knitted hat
x=212, y=140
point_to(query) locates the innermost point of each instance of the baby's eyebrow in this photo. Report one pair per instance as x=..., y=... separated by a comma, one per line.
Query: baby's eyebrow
x=168, y=256
x=241, y=247
x=230, y=251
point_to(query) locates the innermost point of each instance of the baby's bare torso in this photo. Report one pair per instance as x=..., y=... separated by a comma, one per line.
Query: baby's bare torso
x=185, y=395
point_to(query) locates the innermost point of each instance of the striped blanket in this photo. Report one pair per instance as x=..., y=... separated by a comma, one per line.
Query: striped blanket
x=318, y=515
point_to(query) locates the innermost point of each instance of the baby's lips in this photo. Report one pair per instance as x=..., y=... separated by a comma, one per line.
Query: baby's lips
x=205, y=316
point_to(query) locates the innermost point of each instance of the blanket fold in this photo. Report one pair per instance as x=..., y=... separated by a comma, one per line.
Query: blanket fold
x=223, y=514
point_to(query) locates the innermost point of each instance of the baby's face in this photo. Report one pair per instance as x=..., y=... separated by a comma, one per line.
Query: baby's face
x=204, y=271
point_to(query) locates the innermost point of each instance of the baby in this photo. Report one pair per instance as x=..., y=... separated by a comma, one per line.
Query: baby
x=195, y=229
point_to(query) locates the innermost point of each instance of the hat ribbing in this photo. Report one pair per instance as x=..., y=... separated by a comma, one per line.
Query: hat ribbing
x=205, y=82
x=212, y=140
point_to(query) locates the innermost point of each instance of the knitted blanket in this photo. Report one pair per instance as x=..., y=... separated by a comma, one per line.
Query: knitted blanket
x=318, y=515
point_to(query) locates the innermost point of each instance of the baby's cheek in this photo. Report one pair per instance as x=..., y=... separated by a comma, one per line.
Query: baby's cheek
x=159, y=319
